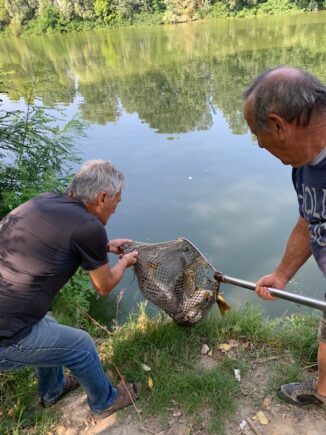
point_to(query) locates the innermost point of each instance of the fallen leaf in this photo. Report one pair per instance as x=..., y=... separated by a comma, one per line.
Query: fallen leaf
x=225, y=347
x=146, y=368
x=11, y=412
x=150, y=382
x=210, y=353
x=267, y=402
x=261, y=417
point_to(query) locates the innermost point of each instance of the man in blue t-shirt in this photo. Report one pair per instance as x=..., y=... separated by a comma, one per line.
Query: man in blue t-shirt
x=42, y=244
x=285, y=109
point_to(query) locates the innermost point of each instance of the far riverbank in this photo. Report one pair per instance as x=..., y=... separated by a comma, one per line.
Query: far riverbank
x=47, y=17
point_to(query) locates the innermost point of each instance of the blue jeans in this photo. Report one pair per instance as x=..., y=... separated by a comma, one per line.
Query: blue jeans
x=48, y=348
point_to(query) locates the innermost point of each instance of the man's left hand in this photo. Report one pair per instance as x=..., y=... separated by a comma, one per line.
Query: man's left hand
x=116, y=246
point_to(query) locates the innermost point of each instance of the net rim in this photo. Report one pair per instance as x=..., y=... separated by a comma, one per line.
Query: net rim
x=175, y=241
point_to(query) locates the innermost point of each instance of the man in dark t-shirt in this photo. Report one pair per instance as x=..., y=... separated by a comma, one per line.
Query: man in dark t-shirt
x=42, y=244
x=286, y=109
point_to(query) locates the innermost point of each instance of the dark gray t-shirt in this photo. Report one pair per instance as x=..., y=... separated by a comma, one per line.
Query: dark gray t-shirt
x=42, y=244
x=310, y=184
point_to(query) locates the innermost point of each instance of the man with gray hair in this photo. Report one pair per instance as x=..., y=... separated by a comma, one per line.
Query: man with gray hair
x=285, y=109
x=42, y=244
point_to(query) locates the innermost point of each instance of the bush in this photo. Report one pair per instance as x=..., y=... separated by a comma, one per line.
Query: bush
x=278, y=6
x=34, y=151
x=220, y=10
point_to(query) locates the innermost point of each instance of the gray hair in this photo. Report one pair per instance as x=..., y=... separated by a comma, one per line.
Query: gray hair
x=93, y=177
x=293, y=96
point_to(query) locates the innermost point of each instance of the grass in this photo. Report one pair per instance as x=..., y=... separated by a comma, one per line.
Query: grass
x=171, y=352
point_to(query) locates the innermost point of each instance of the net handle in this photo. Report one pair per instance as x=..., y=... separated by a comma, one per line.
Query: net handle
x=282, y=294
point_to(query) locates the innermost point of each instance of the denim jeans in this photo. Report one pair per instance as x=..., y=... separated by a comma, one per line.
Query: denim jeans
x=48, y=348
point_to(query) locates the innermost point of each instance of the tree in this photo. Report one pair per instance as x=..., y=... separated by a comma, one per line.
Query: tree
x=4, y=16
x=72, y=9
x=178, y=11
x=21, y=11
x=105, y=9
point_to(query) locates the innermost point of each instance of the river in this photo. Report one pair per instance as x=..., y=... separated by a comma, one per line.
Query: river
x=164, y=104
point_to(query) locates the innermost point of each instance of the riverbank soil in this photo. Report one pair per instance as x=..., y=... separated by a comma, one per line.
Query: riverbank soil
x=258, y=410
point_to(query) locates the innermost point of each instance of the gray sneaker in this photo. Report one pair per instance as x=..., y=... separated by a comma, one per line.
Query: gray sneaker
x=301, y=394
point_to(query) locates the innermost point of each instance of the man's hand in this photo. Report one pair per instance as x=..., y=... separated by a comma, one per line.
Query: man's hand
x=105, y=278
x=271, y=280
x=130, y=258
x=116, y=246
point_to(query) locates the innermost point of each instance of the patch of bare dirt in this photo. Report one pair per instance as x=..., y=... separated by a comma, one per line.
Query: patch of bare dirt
x=266, y=415
x=256, y=414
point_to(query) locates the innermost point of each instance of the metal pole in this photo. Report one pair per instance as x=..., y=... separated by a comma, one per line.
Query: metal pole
x=282, y=294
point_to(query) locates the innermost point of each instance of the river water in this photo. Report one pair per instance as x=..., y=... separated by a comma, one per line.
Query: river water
x=164, y=104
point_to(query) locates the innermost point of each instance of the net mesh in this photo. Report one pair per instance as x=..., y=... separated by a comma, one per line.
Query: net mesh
x=177, y=278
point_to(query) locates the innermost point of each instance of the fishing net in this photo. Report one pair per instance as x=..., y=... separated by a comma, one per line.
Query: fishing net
x=176, y=277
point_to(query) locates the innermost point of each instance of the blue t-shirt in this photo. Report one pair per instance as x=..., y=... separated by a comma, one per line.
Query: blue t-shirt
x=310, y=185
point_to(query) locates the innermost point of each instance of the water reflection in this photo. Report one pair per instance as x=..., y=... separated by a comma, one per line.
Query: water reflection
x=173, y=77
x=140, y=88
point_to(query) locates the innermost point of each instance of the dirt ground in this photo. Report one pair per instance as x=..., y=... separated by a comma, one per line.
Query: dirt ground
x=256, y=413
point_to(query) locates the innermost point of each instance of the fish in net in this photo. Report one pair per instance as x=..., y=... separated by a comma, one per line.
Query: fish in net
x=177, y=278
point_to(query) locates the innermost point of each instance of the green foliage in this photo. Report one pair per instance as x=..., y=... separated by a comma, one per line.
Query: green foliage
x=219, y=10
x=21, y=11
x=35, y=151
x=40, y=16
x=118, y=12
x=4, y=16
x=159, y=5
x=104, y=9
x=18, y=392
x=278, y=6
x=35, y=154
x=148, y=18
x=179, y=11
x=246, y=324
x=298, y=334
x=49, y=19
x=283, y=374
x=73, y=300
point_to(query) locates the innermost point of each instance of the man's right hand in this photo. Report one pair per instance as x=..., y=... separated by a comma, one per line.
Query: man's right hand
x=105, y=278
x=271, y=280
x=130, y=258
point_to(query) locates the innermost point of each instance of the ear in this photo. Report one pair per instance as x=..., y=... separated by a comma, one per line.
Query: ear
x=277, y=124
x=101, y=198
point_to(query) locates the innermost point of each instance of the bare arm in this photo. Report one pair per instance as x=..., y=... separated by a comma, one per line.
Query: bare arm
x=105, y=278
x=297, y=251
